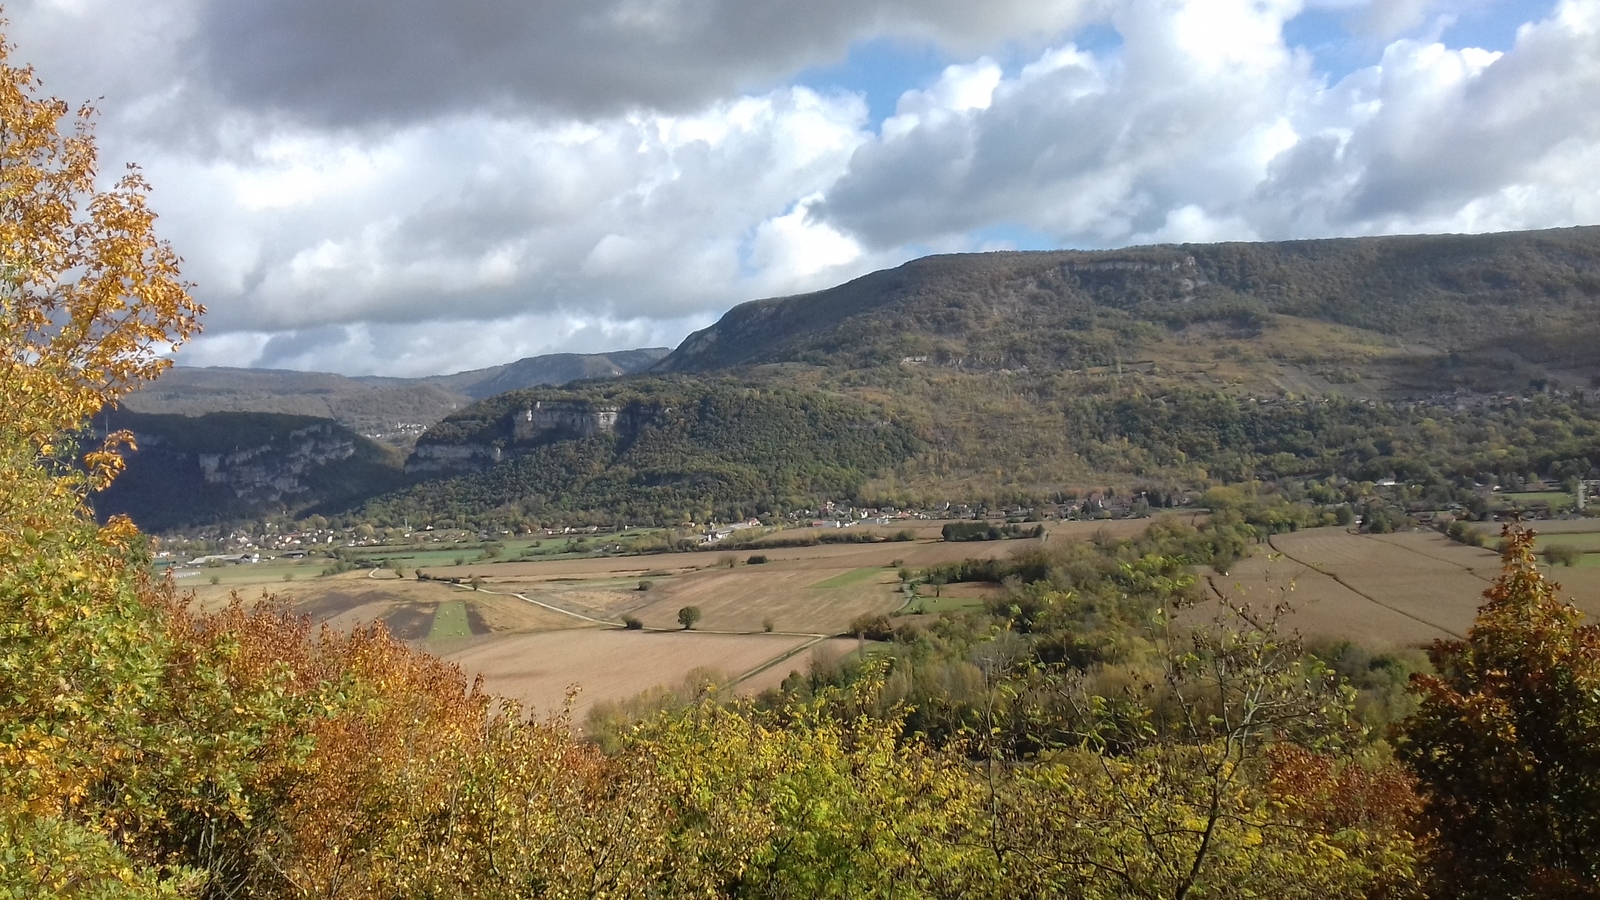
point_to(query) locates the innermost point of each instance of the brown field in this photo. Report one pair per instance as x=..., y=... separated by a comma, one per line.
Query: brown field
x=609, y=664
x=1397, y=589
x=745, y=598
x=534, y=653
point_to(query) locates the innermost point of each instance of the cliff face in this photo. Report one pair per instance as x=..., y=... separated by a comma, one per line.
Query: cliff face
x=529, y=425
x=226, y=466
x=267, y=472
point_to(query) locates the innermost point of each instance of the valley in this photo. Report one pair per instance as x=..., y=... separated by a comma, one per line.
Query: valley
x=535, y=629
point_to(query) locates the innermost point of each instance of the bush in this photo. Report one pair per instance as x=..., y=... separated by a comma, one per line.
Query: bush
x=646, y=585
x=1561, y=554
x=766, y=625
x=756, y=559
x=872, y=627
x=632, y=624
x=688, y=616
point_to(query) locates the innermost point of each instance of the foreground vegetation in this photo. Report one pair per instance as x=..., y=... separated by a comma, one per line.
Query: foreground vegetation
x=147, y=750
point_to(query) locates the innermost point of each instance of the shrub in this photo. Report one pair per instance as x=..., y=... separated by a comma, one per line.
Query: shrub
x=1561, y=554
x=632, y=624
x=756, y=559
x=872, y=627
x=646, y=585
x=688, y=616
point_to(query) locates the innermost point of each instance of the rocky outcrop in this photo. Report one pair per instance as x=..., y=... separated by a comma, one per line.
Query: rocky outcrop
x=452, y=457
x=545, y=417
x=534, y=424
x=271, y=471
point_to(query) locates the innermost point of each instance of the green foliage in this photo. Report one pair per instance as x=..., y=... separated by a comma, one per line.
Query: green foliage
x=987, y=531
x=721, y=447
x=1561, y=554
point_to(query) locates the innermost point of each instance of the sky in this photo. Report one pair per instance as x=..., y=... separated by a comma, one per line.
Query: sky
x=414, y=187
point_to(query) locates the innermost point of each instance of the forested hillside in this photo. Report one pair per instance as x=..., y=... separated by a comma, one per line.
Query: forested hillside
x=227, y=467
x=1534, y=295
x=676, y=449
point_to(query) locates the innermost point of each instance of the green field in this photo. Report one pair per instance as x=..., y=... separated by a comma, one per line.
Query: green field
x=1587, y=541
x=1553, y=499
x=848, y=579
x=450, y=621
x=945, y=605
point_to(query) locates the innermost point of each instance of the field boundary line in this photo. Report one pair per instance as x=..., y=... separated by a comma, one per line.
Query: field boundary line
x=1472, y=572
x=525, y=599
x=780, y=659
x=1360, y=593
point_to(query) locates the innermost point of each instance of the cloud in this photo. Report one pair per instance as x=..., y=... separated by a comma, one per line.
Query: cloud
x=416, y=186
x=359, y=60
x=434, y=347
x=1205, y=126
x=641, y=215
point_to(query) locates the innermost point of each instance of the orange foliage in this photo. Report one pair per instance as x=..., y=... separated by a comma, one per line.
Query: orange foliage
x=1506, y=743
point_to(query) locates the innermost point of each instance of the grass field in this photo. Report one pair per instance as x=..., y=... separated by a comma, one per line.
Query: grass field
x=1556, y=500
x=535, y=652
x=848, y=579
x=450, y=621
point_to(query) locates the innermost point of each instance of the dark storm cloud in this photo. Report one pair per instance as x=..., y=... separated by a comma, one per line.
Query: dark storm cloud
x=360, y=60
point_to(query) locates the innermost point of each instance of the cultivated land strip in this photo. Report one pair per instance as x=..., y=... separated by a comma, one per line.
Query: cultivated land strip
x=1353, y=589
x=565, y=612
x=1468, y=569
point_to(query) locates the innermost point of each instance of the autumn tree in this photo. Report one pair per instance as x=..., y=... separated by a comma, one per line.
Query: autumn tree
x=1506, y=743
x=1231, y=773
x=89, y=297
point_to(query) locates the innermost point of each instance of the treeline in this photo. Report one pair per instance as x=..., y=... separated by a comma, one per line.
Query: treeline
x=988, y=531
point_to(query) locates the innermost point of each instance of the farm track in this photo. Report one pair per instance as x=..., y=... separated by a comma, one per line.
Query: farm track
x=1354, y=590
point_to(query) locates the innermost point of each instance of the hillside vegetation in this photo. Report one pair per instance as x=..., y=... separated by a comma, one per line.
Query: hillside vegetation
x=226, y=467
x=680, y=449
x=1532, y=294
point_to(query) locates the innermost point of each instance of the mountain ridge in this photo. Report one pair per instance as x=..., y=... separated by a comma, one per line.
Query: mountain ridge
x=1066, y=309
x=392, y=410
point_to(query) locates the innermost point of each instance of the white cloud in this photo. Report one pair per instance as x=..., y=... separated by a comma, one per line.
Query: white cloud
x=1205, y=125
x=619, y=172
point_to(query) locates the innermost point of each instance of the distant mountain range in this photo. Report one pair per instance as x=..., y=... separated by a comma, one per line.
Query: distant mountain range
x=995, y=378
x=392, y=410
